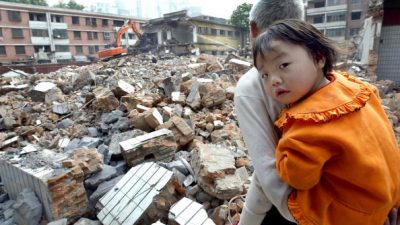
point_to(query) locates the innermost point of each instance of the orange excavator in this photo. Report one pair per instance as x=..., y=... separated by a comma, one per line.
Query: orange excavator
x=118, y=50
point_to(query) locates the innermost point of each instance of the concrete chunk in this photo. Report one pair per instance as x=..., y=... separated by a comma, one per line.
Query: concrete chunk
x=155, y=146
x=28, y=209
x=214, y=168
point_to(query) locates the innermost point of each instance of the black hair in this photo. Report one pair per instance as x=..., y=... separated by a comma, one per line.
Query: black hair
x=299, y=33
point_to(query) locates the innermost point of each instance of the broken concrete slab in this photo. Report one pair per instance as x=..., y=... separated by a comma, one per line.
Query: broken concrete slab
x=107, y=173
x=214, y=168
x=143, y=195
x=159, y=145
x=187, y=211
x=61, y=191
x=114, y=148
x=63, y=221
x=28, y=209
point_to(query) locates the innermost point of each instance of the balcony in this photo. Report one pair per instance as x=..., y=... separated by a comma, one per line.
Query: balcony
x=59, y=25
x=335, y=8
x=63, y=55
x=38, y=25
x=40, y=40
x=336, y=24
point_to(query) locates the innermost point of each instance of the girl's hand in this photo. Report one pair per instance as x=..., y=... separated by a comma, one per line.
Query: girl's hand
x=393, y=217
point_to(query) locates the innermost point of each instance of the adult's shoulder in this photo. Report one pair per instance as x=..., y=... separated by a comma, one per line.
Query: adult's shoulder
x=250, y=85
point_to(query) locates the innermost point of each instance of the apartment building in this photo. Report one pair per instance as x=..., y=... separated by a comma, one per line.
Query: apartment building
x=211, y=35
x=337, y=19
x=44, y=34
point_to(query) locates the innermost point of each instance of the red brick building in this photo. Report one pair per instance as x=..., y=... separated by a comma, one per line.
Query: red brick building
x=29, y=32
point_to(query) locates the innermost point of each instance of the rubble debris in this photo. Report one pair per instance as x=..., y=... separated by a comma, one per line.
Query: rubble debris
x=70, y=135
x=88, y=159
x=158, y=146
x=28, y=209
x=186, y=211
x=144, y=195
x=182, y=132
x=214, y=167
x=61, y=191
x=38, y=94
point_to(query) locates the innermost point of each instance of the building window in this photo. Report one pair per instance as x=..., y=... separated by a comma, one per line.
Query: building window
x=75, y=20
x=1, y=32
x=355, y=2
x=355, y=15
x=41, y=48
x=336, y=2
x=62, y=48
x=40, y=33
x=79, y=49
x=57, y=19
x=106, y=36
x=14, y=16
x=94, y=22
x=91, y=50
x=199, y=30
x=17, y=33
x=237, y=33
x=20, y=50
x=319, y=4
x=89, y=35
x=222, y=32
x=118, y=23
x=95, y=36
x=230, y=33
x=37, y=17
x=96, y=48
x=318, y=19
x=206, y=30
x=104, y=22
x=77, y=35
x=3, y=50
x=60, y=34
x=354, y=31
x=322, y=31
x=337, y=32
x=213, y=31
x=336, y=17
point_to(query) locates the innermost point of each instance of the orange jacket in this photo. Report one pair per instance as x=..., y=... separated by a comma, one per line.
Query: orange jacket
x=339, y=152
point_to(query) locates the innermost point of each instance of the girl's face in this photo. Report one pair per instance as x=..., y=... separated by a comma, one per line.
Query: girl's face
x=289, y=72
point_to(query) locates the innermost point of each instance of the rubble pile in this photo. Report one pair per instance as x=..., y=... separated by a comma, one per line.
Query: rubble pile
x=134, y=140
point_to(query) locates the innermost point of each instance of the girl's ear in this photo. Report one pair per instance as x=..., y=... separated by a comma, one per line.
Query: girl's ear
x=321, y=62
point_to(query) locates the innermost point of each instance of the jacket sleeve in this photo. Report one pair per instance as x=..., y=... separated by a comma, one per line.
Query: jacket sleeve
x=261, y=138
x=299, y=160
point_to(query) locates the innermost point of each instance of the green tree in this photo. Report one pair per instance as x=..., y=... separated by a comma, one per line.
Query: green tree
x=70, y=5
x=31, y=2
x=240, y=18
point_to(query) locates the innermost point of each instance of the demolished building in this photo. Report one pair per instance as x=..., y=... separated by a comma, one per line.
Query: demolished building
x=180, y=33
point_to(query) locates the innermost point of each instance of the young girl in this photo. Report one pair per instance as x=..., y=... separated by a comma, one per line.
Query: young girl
x=338, y=149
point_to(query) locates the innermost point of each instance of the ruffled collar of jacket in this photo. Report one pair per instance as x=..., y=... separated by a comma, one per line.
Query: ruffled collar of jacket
x=343, y=95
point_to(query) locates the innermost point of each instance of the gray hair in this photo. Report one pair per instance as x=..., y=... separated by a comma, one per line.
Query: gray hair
x=266, y=12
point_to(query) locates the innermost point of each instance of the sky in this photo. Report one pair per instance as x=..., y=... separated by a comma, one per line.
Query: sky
x=217, y=8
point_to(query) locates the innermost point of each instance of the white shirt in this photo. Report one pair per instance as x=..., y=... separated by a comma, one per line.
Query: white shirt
x=256, y=113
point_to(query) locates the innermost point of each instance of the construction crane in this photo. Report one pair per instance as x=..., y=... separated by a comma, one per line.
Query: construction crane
x=118, y=50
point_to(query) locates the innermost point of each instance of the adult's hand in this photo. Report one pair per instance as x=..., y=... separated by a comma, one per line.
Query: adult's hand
x=393, y=217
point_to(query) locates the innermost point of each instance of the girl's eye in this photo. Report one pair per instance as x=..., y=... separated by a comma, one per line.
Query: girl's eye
x=264, y=75
x=284, y=65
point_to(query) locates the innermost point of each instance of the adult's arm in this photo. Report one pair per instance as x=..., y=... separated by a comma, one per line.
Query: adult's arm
x=260, y=137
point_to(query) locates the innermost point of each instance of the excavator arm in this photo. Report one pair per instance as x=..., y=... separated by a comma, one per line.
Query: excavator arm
x=118, y=50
